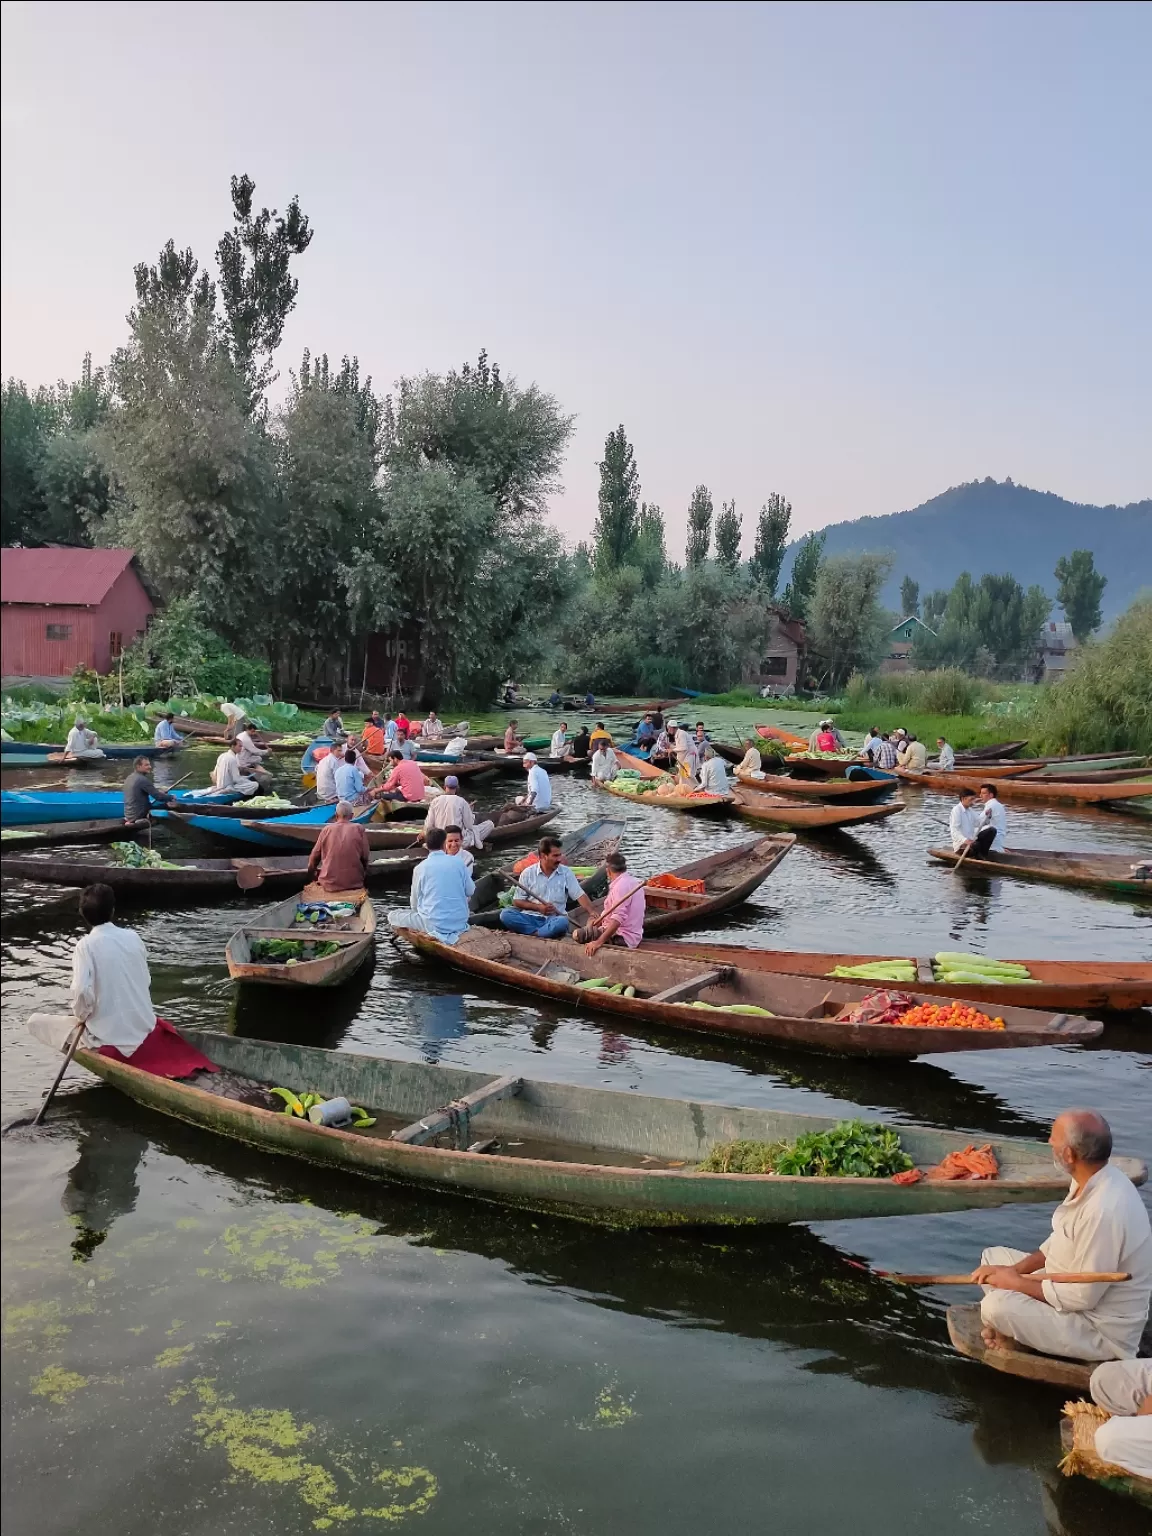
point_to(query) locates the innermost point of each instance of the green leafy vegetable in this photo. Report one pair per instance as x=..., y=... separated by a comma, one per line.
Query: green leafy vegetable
x=853, y=1149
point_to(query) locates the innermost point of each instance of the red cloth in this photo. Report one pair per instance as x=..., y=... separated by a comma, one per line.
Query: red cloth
x=164, y=1053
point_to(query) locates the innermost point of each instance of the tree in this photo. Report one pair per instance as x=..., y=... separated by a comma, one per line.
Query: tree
x=910, y=598
x=990, y=626
x=728, y=534
x=805, y=571
x=616, y=521
x=699, y=526
x=1080, y=590
x=648, y=553
x=847, y=621
x=54, y=487
x=771, y=542
x=934, y=605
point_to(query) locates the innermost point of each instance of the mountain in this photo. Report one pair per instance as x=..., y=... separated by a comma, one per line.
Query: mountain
x=986, y=526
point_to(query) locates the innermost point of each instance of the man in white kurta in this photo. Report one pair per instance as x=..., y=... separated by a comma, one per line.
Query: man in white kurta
x=227, y=773
x=1101, y=1228
x=963, y=821
x=82, y=742
x=452, y=810
x=1124, y=1388
x=111, y=988
x=714, y=775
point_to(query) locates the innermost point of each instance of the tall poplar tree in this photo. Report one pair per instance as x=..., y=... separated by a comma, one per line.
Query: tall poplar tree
x=771, y=542
x=619, y=501
x=699, y=526
x=1080, y=590
x=728, y=532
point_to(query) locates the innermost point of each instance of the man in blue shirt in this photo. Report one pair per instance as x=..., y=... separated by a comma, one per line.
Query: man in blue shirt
x=348, y=779
x=441, y=890
x=542, y=896
x=166, y=734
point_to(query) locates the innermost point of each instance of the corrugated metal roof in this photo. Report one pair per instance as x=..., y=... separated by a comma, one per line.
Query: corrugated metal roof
x=60, y=577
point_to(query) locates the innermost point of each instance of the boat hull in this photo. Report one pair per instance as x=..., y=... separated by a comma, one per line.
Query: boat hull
x=1030, y=787
x=1110, y=873
x=193, y=877
x=869, y=791
x=804, y=816
x=356, y=935
x=23, y=808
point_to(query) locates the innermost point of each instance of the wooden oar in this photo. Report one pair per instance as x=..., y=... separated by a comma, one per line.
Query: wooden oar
x=1085, y=1279
x=77, y=1035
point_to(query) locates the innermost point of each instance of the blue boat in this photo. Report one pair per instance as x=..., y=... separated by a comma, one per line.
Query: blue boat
x=254, y=831
x=29, y=808
x=43, y=750
x=308, y=761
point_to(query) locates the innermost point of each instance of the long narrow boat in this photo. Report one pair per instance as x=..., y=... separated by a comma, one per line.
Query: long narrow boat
x=382, y=836
x=869, y=788
x=274, y=833
x=354, y=935
x=49, y=753
x=666, y=793
x=1083, y=1462
x=995, y=749
x=1030, y=788
x=462, y=769
x=621, y=1158
x=1116, y=872
x=1062, y=986
x=29, y=807
x=1093, y=776
x=19, y=840
x=196, y=876
x=1119, y=758
x=964, y=1330
x=586, y=848
x=804, y=816
x=729, y=877
x=801, y=1011
x=776, y=733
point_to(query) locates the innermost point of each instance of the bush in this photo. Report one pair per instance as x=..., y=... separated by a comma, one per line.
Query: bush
x=181, y=655
x=947, y=691
x=85, y=685
x=1105, y=702
x=660, y=675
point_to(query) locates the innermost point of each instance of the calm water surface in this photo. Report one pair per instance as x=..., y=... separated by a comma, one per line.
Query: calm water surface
x=201, y=1338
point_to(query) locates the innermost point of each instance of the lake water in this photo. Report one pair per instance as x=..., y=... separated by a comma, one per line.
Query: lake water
x=201, y=1338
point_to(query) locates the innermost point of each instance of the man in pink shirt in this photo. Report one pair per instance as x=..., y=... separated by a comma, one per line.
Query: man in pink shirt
x=622, y=918
x=405, y=782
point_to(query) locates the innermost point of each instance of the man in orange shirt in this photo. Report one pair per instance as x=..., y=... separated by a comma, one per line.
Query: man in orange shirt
x=372, y=738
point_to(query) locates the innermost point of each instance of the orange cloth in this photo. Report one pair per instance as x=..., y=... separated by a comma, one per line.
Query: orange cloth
x=675, y=883
x=972, y=1163
x=525, y=863
x=372, y=737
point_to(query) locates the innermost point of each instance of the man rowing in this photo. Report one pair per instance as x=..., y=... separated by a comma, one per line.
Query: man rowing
x=964, y=822
x=340, y=855
x=140, y=794
x=1101, y=1228
x=452, y=810
x=543, y=892
x=621, y=919
x=991, y=823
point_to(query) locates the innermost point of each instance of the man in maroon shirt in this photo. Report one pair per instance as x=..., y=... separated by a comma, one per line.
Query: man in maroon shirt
x=340, y=855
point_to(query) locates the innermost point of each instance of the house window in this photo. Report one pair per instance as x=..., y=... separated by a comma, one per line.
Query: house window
x=775, y=666
x=115, y=643
x=58, y=631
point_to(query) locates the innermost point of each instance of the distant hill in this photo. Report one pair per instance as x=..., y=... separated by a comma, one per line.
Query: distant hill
x=988, y=526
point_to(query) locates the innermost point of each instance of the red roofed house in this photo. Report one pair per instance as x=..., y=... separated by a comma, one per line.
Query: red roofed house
x=68, y=608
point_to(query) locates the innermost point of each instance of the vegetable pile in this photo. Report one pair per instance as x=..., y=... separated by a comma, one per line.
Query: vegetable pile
x=290, y=951
x=764, y=1013
x=976, y=969
x=882, y=1007
x=133, y=856
x=267, y=803
x=852, y=1149
x=606, y=984
x=300, y=1104
x=877, y=970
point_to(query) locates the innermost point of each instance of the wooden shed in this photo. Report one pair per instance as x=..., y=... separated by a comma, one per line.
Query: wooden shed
x=66, y=608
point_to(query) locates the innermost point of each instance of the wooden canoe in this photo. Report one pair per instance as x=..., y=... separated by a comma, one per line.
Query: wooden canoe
x=1118, y=1479
x=195, y=877
x=1119, y=758
x=964, y=1331
x=804, y=816
x=587, y=847
x=622, y=1158
x=465, y=768
x=995, y=749
x=803, y=1009
x=1091, y=871
x=380, y=835
x=696, y=804
x=863, y=791
x=776, y=733
x=1029, y=787
x=355, y=935
x=53, y=834
x=1093, y=776
x=1058, y=986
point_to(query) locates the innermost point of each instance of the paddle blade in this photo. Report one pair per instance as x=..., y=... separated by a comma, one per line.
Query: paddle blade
x=249, y=877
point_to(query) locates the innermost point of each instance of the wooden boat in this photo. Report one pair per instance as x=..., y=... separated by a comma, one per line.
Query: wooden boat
x=30, y=807
x=462, y=769
x=991, y=771
x=964, y=1331
x=622, y=1158
x=382, y=836
x=775, y=733
x=1029, y=787
x=355, y=935
x=1087, y=1464
x=1093, y=776
x=870, y=787
x=196, y=876
x=995, y=749
x=587, y=847
x=1091, y=871
x=729, y=878
x=803, y=1010
x=266, y=833
x=805, y=816
x=241, y=810
x=1061, y=986
x=695, y=804
x=24, y=838
x=57, y=754
x=1119, y=758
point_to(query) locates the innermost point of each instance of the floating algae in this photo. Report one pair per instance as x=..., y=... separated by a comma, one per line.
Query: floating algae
x=612, y=1409
x=177, y=1355
x=35, y=1322
x=57, y=1384
x=260, y=1249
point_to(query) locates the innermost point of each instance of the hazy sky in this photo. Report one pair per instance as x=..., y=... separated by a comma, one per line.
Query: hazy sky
x=854, y=253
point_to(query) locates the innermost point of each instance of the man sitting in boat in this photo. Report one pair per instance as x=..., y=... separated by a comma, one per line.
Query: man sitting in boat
x=581, y=742
x=455, y=849
x=166, y=734
x=441, y=890
x=714, y=774
x=347, y=777
x=886, y=753
x=945, y=756
x=341, y=854
x=871, y=747
x=404, y=781
x=111, y=998
x=1101, y=1228
x=558, y=746
x=372, y=736
x=645, y=733
x=227, y=773
x=605, y=763
x=334, y=725
x=622, y=917
x=538, y=793
x=964, y=821
x=252, y=757
x=82, y=742
x=542, y=895
x=1124, y=1388
x=327, y=759
x=751, y=762
x=140, y=793
x=993, y=822
x=452, y=810
x=600, y=734
x=814, y=736
x=432, y=727
x=512, y=742
x=913, y=755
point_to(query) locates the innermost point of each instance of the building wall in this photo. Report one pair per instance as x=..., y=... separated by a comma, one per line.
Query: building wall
x=29, y=652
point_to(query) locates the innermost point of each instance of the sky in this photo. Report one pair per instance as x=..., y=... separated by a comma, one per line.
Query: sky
x=853, y=253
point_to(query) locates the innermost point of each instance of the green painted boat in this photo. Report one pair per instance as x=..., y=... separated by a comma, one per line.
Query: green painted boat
x=621, y=1158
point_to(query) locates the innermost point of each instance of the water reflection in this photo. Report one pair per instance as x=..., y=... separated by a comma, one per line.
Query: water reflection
x=102, y=1183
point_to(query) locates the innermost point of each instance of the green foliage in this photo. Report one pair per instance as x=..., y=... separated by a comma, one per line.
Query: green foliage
x=935, y=606
x=846, y=621
x=801, y=588
x=1079, y=592
x=852, y=1149
x=909, y=598
x=728, y=534
x=180, y=654
x=617, y=517
x=990, y=627
x=86, y=685
x=1105, y=702
x=948, y=691
x=53, y=488
x=771, y=542
x=648, y=554
x=699, y=526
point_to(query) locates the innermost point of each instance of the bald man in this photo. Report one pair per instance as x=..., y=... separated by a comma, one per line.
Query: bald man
x=1102, y=1227
x=340, y=855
